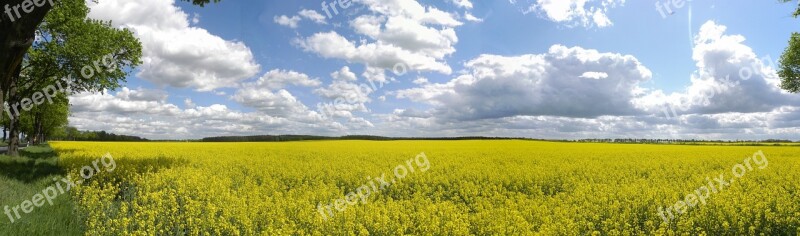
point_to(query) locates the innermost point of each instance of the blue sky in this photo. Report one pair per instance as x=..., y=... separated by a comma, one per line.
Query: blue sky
x=543, y=69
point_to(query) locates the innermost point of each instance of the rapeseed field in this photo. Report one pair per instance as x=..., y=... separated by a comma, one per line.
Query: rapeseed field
x=448, y=188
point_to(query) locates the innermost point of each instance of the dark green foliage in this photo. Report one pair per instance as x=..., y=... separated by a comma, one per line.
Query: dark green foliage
x=73, y=134
x=200, y=2
x=789, y=69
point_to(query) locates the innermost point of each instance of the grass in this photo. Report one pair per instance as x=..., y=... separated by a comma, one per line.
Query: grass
x=23, y=177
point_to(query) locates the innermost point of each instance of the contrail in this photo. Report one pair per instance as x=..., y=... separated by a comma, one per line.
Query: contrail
x=691, y=33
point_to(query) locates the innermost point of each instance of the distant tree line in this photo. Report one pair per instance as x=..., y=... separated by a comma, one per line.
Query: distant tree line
x=73, y=134
x=288, y=138
x=679, y=141
x=265, y=138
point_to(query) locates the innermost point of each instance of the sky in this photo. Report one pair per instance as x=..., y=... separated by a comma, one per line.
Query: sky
x=553, y=69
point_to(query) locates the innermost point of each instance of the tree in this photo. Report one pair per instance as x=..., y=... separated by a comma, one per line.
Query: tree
x=45, y=119
x=70, y=133
x=18, y=33
x=71, y=51
x=789, y=69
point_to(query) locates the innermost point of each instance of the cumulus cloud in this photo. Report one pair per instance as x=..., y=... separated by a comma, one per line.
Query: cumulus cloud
x=462, y=3
x=188, y=103
x=585, y=13
x=175, y=53
x=353, y=95
x=730, y=77
x=291, y=22
x=344, y=95
x=469, y=17
x=550, y=84
x=146, y=113
x=400, y=32
x=280, y=103
x=268, y=94
x=313, y=16
x=384, y=56
x=564, y=92
x=580, y=93
x=344, y=74
x=278, y=79
x=294, y=21
x=729, y=126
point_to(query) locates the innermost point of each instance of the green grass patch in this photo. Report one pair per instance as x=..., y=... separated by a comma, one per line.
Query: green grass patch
x=23, y=177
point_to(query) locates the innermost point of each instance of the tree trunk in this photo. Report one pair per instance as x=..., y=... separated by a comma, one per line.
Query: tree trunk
x=13, y=143
x=35, y=135
x=5, y=133
x=16, y=37
x=39, y=133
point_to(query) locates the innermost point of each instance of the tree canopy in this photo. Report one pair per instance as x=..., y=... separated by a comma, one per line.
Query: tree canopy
x=789, y=69
x=71, y=54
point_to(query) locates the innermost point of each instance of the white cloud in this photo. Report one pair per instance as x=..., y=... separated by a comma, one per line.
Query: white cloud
x=384, y=56
x=549, y=84
x=280, y=103
x=196, y=18
x=313, y=16
x=124, y=114
x=268, y=94
x=354, y=96
x=729, y=126
x=579, y=93
x=294, y=21
x=375, y=75
x=730, y=78
x=398, y=32
x=344, y=95
x=586, y=13
x=175, y=53
x=463, y=3
x=344, y=74
x=189, y=103
x=594, y=75
x=368, y=25
x=291, y=22
x=565, y=92
x=278, y=79
x=469, y=17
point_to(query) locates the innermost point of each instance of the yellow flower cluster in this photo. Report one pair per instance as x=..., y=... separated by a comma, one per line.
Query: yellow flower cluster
x=472, y=188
